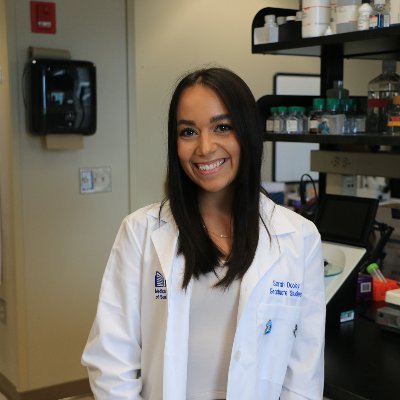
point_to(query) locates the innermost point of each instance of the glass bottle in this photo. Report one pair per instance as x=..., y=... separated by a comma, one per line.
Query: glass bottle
x=314, y=120
x=303, y=124
x=334, y=117
x=380, y=17
x=279, y=124
x=337, y=91
x=359, y=117
x=380, y=92
x=269, y=125
x=292, y=121
x=347, y=107
x=394, y=117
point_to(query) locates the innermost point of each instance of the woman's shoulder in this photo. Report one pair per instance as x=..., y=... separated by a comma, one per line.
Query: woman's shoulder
x=155, y=212
x=280, y=215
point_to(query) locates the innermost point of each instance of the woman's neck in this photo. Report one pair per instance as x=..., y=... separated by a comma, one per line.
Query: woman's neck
x=216, y=212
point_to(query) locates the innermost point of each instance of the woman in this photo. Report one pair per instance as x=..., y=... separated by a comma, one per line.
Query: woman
x=216, y=293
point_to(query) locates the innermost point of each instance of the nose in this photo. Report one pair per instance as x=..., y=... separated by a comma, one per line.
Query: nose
x=206, y=144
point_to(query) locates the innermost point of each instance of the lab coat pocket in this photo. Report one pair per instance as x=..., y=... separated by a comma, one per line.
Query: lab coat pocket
x=276, y=332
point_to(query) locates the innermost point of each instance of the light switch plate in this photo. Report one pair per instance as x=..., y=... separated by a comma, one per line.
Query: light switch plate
x=95, y=180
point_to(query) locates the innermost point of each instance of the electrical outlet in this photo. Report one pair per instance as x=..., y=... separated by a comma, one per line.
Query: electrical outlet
x=349, y=185
x=3, y=311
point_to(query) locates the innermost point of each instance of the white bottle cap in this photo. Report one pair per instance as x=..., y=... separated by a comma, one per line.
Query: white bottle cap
x=269, y=18
x=291, y=18
x=280, y=20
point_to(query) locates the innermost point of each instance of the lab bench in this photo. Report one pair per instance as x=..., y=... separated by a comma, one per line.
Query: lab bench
x=362, y=360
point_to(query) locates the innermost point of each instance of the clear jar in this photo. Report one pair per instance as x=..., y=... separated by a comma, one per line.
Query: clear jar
x=394, y=117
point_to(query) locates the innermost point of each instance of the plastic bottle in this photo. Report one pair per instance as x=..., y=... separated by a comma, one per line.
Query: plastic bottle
x=364, y=14
x=380, y=17
x=316, y=17
x=394, y=117
x=314, y=120
x=380, y=92
x=267, y=33
x=347, y=15
x=375, y=272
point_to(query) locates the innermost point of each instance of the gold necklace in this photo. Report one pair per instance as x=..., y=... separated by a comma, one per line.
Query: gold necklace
x=216, y=234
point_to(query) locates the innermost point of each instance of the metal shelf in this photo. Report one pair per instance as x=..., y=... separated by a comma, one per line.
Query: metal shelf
x=367, y=139
x=377, y=44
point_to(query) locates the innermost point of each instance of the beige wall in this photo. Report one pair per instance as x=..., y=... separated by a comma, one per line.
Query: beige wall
x=8, y=358
x=58, y=240
x=65, y=237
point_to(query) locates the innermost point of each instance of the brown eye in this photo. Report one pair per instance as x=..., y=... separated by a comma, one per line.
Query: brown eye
x=223, y=128
x=187, y=132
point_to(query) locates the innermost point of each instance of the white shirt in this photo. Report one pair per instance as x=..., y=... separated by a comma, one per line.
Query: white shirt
x=210, y=349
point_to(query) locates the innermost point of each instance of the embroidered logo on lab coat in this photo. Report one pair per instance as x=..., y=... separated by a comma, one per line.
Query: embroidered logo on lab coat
x=268, y=327
x=160, y=291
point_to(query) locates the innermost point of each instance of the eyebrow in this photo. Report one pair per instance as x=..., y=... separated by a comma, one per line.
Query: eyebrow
x=216, y=118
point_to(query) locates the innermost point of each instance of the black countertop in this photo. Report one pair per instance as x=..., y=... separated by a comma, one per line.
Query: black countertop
x=362, y=360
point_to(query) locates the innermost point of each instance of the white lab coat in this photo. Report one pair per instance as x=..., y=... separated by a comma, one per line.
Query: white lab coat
x=138, y=345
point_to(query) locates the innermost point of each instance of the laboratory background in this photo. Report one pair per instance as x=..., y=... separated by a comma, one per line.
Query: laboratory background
x=328, y=92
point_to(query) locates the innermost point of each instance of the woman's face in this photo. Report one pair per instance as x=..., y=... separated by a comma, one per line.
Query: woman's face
x=208, y=147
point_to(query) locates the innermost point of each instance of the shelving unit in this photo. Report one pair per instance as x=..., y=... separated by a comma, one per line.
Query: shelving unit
x=354, y=345
x=378, y=44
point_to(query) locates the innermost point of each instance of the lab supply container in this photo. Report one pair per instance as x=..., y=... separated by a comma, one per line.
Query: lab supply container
x=316, y=17
x=381, y=90
x=347, y=15
x=380, y=17
x=267, y=33
x=364, y=14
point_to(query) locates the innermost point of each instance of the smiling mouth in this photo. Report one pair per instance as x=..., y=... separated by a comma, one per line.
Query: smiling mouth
x=210, y=167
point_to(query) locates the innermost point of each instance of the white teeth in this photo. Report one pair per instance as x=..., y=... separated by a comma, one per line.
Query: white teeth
x=209, y=167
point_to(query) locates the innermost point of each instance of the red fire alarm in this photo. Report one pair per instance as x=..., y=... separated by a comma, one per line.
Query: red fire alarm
x=43, y=17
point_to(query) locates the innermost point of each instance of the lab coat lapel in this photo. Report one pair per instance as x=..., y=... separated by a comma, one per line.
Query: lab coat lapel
x=165, y=240
x=269, y=249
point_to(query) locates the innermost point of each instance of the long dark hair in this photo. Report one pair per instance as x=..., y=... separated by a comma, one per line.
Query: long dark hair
x=201, y=254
